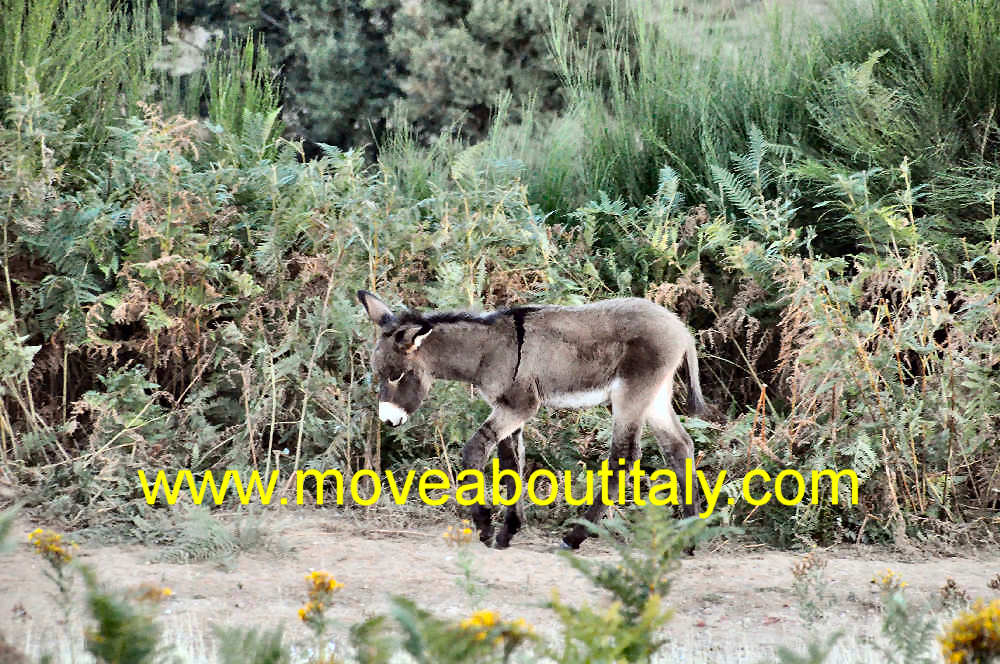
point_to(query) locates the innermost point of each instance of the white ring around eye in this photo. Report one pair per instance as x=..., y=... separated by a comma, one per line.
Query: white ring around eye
x=396, y=381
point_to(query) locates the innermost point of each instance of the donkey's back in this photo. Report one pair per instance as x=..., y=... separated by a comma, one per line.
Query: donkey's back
x=578, y=355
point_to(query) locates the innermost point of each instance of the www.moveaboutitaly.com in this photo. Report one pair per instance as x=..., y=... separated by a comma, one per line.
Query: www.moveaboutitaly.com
x=543, y=487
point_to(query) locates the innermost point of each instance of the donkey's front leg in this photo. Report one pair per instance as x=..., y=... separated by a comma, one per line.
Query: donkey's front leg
x=473, y=458
x=501, y=423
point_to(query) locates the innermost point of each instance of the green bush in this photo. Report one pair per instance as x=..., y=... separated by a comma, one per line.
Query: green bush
x=86, y=60
x=456, y=58
x=354, y=70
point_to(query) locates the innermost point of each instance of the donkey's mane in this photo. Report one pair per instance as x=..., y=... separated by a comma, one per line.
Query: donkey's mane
x=413, y=317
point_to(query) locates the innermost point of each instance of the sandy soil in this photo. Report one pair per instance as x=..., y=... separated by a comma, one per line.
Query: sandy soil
x=725, y=599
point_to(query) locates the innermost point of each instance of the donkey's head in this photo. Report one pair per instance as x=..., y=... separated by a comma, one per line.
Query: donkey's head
x=404, y=379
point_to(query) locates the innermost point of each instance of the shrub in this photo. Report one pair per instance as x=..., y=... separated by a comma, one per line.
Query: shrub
x=355, y=70
x=455, y=59
x=86, y=59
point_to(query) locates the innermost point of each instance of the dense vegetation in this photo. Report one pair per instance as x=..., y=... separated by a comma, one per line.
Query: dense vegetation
x=355, y=69
x=820, y=207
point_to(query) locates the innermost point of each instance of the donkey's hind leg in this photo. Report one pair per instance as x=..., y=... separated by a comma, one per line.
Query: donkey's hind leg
x=627, y=428
x=624, y=451
x=675, y=445
x=474, y=456
x=511, y=453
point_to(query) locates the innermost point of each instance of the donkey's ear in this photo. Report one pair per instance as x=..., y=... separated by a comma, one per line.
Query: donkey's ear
x=409, y=339
x=377, y=310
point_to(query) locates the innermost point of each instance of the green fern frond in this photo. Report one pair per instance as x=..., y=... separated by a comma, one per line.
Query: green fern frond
x=737, y=189
x=668, y=193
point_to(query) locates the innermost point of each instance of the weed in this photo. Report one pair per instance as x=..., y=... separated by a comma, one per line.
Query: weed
x=648, y=549
x=951, y=596
x=889, y=582
x=974, y=636
x=321, y=590
x=58, y=553
x=811, y=587
x=469, y=582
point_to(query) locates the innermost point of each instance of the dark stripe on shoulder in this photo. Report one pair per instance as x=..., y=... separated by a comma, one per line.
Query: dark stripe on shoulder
x=519, y=314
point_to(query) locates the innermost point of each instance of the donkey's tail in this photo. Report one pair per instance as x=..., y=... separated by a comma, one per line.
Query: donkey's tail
x=696, y=403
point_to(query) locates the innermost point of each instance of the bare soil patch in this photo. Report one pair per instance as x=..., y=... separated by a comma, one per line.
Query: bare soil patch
x=728, y=598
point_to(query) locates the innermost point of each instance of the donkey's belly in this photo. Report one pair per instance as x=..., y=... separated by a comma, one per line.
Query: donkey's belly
x=581, y=398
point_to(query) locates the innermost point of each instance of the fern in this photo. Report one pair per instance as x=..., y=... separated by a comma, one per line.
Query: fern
x=668, y=198
x=864, y=458
x=751, y=166
x=738, y=189
x=910, y=634
x=465, y=169
x=201, y=538
x=16, y=358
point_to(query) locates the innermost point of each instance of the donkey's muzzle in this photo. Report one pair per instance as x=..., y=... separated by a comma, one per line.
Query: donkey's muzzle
x=390, y=413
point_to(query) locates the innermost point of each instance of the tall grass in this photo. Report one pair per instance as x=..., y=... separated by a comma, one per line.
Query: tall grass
x=93, y=64
x=95, y=57
x=876, y=82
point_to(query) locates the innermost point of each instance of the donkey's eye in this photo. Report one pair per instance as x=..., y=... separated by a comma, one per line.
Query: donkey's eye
x=395, y=381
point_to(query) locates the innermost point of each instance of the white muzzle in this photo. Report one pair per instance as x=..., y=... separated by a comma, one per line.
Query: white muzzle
x=391, y=413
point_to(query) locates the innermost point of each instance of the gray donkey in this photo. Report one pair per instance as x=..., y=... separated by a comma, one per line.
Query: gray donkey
x=624, y=350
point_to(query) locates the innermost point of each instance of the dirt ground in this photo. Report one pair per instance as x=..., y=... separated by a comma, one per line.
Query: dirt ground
x=725, y=599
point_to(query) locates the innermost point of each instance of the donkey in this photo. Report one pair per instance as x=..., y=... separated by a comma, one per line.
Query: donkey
x=625, y=351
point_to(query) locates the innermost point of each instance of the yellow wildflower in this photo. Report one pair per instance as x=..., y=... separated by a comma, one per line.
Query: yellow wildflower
x=460, y=536
x=322, y=583
x=311, y=610
x=149, y=592
x=889, y=581
x=807, y=563
x=479, y=619
x=523, y=625
x=974, y=636
x=50, y=546
x=519, y=629
x=321, y=588
x=482, y=623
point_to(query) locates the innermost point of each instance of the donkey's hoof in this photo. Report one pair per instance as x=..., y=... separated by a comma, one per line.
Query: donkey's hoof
x=503, y=539
x=567, y=546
